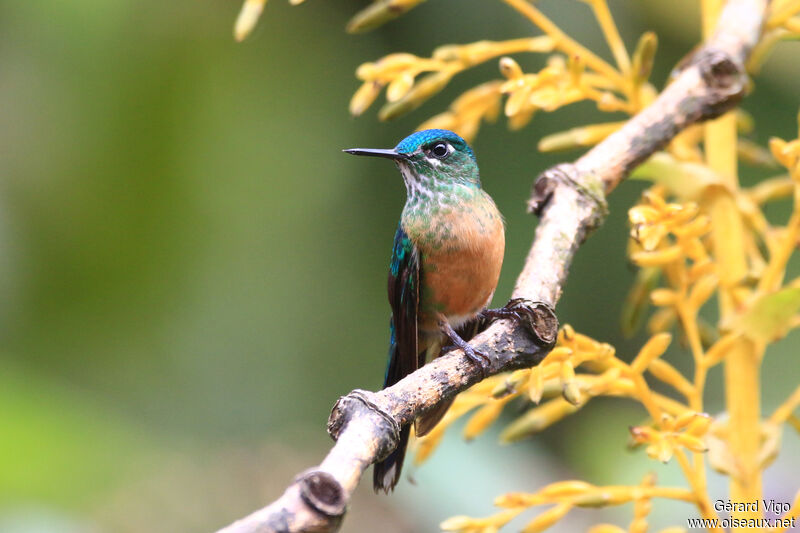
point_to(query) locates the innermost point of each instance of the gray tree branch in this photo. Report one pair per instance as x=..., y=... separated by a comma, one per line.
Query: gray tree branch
x=570, y=200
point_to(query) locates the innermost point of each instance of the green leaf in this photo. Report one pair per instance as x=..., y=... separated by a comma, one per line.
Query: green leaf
x=768, y=318
x=687, y=181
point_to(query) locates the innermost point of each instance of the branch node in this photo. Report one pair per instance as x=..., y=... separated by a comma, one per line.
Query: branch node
x=359, y=404
x=724, y=75
x=322, y=492
x=567, y=174
x=538, y=318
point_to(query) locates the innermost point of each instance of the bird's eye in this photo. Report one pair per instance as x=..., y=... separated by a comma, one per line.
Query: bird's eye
x=440, y=150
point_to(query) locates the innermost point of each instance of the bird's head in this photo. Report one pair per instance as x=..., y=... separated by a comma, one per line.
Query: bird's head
x=431, y=160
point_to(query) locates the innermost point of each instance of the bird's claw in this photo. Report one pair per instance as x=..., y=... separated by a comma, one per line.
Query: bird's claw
x=515, y=309
x=479, y=358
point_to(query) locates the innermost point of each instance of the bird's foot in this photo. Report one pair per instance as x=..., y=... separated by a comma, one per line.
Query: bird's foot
x=479, y=358
x=515, y=309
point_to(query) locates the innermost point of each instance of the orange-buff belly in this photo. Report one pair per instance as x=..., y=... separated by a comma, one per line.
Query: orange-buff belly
x=459, y=277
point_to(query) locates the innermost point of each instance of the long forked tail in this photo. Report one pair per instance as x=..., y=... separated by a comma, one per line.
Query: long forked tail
x=386, y=473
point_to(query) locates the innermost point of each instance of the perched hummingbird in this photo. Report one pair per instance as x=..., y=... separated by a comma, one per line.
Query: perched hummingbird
x=446, y=259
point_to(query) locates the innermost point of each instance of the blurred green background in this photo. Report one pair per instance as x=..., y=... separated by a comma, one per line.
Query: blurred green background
x=192, y=272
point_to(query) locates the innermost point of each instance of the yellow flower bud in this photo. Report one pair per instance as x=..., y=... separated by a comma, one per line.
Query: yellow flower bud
x=643, y=57
x=419, y=93
x=663, y=297
x=653, y=349
x=560, y=489
x=536, y=384
x=378, y=13
x=537, y=419
x=691, y=442
x=669, y=375
x=509, y=68
x=658, y=257
x=699, y=425
x=547, y=518
x=364, y=97
x=399, y=87
x=457, y=523
x=702, y=291
x=482, y=418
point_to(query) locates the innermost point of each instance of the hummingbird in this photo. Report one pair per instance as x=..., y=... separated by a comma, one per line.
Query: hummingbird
x=446, y=259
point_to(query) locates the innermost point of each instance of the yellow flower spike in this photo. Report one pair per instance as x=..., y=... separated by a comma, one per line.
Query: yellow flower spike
x=364, y=97
x=569, y=388
x=663, y=297
x=605, y=351
x=699, y=425
x=610, y=103
x=419, y=93
x=586, y=343
x=697, y=227
x=567, y=334
x=658, y=257
x=691, y=442
x=603, y=382
x=559, y=353
x=387, y=66
x=694, y=249
x=561, y=489
x=661, y=450
x=536, y=384
x=459, y=523
x=567, y=372
x=652, y=350
x=547, y=518
x=517, y=100
x=247, y=19
x=667, y=422
x=378, y=13
x=643, y=58
x=605, y=496
x=655, y=197
x=577, y=137
x=702, y=291
x=509, y=68
x=667, y=373
x=576, y=67
x=511, y=383
x=399, y=87
x=483, y=417
x=644, y=434
x=684, y=419
x=519, y=499
x=648, y=236
x=537, y=419
x=662, y=320
x=781, y=12
x=700, y=268
x=778, y=148
x=644, y=214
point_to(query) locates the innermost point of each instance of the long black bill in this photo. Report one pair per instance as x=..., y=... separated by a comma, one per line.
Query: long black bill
x=377, y=152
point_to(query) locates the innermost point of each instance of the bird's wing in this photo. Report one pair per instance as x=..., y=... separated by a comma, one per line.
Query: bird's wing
x=404, y=279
